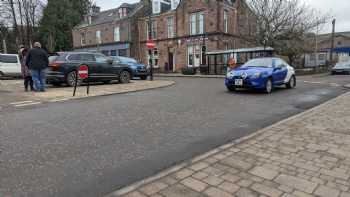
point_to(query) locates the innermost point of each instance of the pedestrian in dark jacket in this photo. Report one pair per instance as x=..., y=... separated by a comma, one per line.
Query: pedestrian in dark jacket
x=25, y=72
x=37, y=61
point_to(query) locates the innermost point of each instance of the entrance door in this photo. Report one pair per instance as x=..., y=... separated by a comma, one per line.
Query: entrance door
x=197, y=60
x=170, y=62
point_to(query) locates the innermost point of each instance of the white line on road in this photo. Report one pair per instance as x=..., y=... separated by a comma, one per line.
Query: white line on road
x=28, y=104
x=21, y=102
x=323, y=83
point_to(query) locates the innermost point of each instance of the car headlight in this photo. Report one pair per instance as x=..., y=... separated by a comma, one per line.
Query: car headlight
x=230, y=75
x=256, y=75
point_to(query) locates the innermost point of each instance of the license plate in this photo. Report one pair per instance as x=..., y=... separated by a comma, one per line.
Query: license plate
x=238, y=82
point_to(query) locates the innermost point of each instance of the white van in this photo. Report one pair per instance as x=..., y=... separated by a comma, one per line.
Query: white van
x=10, y=65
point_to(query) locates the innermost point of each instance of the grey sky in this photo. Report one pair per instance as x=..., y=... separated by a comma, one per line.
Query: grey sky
x=338, y=8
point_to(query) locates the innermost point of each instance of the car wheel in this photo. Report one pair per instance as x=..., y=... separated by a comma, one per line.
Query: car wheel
x=71, y=78
x=143, y=77
x=292, y=83
x=268, y=86
x=124, y=77
x=231, y=88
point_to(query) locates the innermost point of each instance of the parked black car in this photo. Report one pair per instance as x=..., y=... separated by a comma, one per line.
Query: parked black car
x=138, y=69
x=63, y=68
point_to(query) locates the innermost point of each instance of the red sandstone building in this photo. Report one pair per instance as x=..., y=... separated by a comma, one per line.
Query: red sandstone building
x=183, y=30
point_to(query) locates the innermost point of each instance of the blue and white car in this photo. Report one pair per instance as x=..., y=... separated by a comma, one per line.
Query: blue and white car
x=138, y=69
x=261, y=74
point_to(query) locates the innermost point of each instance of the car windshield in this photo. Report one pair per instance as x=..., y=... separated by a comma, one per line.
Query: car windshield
x=8, y=59
x=127, y=60
x=266, y=63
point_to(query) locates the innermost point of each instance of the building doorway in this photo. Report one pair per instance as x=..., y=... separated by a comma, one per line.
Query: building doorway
x=170, y=62
x=195, y=55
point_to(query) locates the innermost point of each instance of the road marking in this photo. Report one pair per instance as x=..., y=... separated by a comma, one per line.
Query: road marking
x=323, y=83
x=28, y=104
x=314, y=82
x=21, y=102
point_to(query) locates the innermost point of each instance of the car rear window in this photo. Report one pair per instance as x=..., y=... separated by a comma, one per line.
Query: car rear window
x=74, y=57
x=8, y=59
x=52, y=58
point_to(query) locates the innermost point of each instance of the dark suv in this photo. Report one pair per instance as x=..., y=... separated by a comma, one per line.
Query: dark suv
x=63, y=66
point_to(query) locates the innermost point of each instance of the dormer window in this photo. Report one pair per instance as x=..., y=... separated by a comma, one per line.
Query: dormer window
x=156, y=6
x=123, y=12
x=174, y=4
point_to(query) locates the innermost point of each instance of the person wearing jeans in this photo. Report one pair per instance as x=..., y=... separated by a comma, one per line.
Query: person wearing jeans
x=39, y=79
x=37, y=61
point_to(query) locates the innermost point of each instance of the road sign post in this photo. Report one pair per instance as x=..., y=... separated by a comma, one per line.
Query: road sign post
x=82, y=73
x=150, y=46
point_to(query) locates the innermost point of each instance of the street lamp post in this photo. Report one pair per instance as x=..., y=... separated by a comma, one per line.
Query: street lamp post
x=332, y=46
x=150, y=38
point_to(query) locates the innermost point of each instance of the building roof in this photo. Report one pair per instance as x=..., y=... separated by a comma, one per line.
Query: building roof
x=325, y=37
x=110, y=15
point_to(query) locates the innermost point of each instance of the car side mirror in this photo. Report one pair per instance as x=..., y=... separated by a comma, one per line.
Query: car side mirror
x=110, y=61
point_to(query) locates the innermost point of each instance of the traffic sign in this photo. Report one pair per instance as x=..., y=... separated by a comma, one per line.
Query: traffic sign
x=83, y=72
x=150, y=44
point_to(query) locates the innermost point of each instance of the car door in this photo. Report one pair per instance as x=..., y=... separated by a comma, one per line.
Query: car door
x=90, y=61
x=279, y=72
x=105, y=68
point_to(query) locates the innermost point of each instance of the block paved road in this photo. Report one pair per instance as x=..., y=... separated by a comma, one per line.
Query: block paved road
x=94, y=146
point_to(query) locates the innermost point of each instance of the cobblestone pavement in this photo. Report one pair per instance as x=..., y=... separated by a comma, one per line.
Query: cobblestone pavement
x=306, y=155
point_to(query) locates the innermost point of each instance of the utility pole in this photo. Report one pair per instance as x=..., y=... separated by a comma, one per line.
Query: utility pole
x=150, y=37
x=332, y=46
x=316, y=45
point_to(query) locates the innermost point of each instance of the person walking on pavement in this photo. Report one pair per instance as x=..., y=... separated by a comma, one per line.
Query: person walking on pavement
x=28, y=81
x=37, y=60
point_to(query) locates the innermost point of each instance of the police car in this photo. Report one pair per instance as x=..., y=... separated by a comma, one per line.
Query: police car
x=261, y=74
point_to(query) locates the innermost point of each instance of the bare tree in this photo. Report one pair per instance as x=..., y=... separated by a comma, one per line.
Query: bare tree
x=280, y=23
x=23, y=15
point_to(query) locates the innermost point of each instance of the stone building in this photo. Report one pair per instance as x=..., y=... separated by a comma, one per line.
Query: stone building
x=185, y=30
x=111, y=32
x=341, y=50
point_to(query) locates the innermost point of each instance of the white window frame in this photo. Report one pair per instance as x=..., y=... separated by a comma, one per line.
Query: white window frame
x=174, y=4
x=170, y=26
x=201, y=23
x=156, y=6
x=193, y=24
x=154, y=29
x=98, y=37
x=117, y=34
x=83, y=38
x=225, y=21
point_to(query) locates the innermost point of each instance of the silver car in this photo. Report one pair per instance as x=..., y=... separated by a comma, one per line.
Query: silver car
x=341, y=68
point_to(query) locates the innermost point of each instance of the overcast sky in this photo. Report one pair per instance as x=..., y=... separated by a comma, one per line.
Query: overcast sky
x=338, y=8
